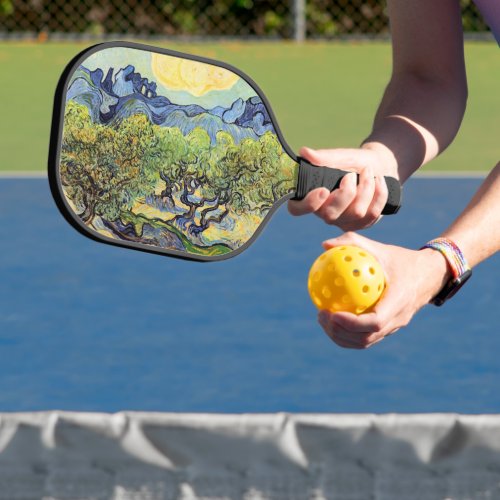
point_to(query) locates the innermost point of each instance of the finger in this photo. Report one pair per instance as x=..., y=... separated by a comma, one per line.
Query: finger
x=361, y=340
x=362, y=324
x=393, y=332
x=348, y=238
x=365, y=191
x=347, y=338
x=359, y=224
x=311, y=203
x=353, y=341
x=384, y=318
x=372, y=343
x=392, y=312
x=338, y=201
x=376, y=338
x=344, y=344
x=380, y=196
x=366, y=209
x=338, y=334
x=341, y=340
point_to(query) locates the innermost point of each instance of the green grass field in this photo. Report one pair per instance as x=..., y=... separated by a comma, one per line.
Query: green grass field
x=323, y=94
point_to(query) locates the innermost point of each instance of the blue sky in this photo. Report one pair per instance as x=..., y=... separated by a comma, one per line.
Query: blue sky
x=120, y=57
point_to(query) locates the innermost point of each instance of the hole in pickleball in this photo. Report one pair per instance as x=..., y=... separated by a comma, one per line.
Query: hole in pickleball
x=326, y=292
x=317, y=301
x=366, y=289
x=359, y=310
x=346, y=299
x=372, y=270
x=362, y=254
x=348, y=258
x=356, y=273
x=339, y=281
x=379, y=288
x=336, y=306
x=317, y=276
x=330, y=268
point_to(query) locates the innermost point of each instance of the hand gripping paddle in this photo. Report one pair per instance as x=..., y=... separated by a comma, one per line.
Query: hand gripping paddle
x=170, y=153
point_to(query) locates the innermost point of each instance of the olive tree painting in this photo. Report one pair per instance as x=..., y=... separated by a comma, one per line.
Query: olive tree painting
x=169, y=152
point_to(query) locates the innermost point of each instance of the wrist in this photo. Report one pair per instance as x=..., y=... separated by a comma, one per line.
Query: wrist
x=437, y=272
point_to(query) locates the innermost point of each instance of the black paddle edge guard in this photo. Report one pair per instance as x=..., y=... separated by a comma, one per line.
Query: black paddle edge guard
x=312, y=177
x=55, y=183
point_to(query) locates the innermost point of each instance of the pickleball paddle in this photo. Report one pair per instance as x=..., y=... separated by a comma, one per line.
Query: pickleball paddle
x=170, y=153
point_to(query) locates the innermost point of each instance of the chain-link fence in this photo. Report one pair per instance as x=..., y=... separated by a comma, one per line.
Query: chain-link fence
x=206, y=18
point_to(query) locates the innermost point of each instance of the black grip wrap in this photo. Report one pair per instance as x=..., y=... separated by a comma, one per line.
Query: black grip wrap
x=312, y=177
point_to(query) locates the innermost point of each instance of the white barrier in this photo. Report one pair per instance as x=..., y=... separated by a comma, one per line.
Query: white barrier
x=160, y=456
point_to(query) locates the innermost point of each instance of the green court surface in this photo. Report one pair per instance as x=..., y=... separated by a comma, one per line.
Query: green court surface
x=323, y=94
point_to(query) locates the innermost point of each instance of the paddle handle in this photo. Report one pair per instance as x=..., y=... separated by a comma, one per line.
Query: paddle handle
x=312, y=177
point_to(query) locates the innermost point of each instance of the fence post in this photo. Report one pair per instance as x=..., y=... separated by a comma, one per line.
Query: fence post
x=299, y=20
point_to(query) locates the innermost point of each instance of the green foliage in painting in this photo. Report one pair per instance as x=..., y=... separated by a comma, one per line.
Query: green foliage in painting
x=102, y=168
x=105, y=170
x=215, y=181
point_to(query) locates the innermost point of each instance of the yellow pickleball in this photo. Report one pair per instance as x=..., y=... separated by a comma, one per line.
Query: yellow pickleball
x=346, y=278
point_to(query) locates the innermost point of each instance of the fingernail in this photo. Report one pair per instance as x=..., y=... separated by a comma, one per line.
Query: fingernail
x=324, y=194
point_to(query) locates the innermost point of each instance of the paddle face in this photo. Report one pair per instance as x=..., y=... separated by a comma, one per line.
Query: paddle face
x=160, y=151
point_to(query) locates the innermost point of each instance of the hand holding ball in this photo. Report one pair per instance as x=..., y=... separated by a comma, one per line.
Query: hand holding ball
x=346, y=278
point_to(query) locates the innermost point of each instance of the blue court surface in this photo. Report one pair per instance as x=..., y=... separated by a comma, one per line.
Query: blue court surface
x=91, y=327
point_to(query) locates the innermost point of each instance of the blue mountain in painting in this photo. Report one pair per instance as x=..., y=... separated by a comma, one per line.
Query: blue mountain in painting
x=112, y=97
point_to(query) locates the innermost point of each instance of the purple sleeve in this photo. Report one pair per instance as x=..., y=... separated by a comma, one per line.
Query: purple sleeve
x=490, y=9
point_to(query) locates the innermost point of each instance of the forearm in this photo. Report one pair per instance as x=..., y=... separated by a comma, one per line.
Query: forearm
x=477, y=230
x=416, y=120
x=424, y=103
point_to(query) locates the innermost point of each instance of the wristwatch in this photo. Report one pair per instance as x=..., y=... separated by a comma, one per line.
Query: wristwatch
x=460, y=270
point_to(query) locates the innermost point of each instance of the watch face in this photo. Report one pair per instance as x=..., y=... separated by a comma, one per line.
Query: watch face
x=451, y=288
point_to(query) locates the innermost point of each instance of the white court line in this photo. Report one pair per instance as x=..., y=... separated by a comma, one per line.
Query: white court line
x=454, y=174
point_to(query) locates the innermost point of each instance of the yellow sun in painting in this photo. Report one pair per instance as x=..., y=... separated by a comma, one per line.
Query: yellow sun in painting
x=194, y=77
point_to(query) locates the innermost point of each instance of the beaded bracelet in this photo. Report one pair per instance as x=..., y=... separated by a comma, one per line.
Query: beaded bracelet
x=451, y=253
x=460, y=269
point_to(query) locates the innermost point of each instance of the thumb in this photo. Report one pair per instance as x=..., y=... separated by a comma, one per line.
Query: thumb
x=349, y=238
x=338, y=158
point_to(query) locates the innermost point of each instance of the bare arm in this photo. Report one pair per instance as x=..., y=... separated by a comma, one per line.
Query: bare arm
x=418, y=117
x=424, y=102
x=477, y=230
